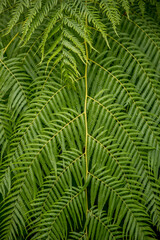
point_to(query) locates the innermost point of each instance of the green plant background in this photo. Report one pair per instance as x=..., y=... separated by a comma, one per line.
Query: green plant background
x=79, y=120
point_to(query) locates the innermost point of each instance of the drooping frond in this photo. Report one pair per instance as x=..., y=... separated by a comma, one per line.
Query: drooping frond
x=121, y=205
x=67, y=20
x=101, y=227
x=79, y=161
x=67, y=212
x=5, y=128
x=15, y=82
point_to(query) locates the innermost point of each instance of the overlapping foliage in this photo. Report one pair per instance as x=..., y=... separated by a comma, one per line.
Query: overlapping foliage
x=79, y=120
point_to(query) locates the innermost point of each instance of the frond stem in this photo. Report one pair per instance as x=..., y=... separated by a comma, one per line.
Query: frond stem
x=85, y=113
x=5, y=49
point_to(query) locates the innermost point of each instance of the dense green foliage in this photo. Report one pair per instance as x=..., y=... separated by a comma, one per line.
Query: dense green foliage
x=79, y=120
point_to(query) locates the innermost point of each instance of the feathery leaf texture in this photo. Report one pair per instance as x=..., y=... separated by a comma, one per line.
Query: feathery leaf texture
x=79, y=120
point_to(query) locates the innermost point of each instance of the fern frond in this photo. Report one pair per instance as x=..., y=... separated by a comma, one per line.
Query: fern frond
x=111, y=10
x=68, y=210
x=5, y=128
x=77, y=236
x=16, y=13
x=124, y=208
x=100, y=226
x=79, y=161
x=15, y=82
x=70, y=167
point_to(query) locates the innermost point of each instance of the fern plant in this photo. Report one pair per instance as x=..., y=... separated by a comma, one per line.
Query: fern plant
x=79, y=120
